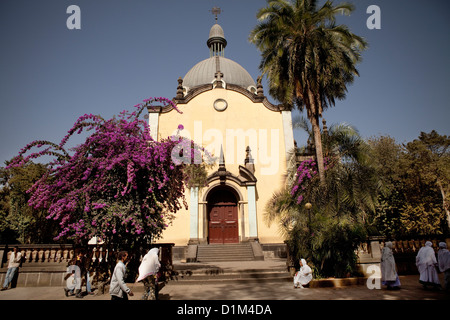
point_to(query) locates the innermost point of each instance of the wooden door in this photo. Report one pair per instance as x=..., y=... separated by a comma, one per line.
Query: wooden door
x=223, y=220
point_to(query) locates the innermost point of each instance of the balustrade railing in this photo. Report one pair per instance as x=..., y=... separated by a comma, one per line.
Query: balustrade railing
x=53, y=260
x=402, y=246
x=405, y=251
x=52, y=255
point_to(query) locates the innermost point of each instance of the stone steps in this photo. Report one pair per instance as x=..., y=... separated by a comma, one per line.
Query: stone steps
x=225, y=252
x=207, y=274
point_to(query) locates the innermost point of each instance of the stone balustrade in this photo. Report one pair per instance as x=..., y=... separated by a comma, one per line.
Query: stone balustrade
x=405, y=251
x=46, y=264
x=51, y=255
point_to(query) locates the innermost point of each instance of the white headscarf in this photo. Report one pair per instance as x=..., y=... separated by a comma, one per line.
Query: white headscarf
x=304, y=275
x=305, y=268
x=443, y=257
x=425, y=257
x=149, y=265
x=388, y=263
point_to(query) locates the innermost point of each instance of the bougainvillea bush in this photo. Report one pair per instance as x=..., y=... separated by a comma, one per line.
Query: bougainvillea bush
x=119, y=185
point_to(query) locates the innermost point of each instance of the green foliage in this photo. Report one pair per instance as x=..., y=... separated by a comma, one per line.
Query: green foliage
x=19, y=222
x=329, y=233
x=416, y=177
x=307, y=58
x=421, y=219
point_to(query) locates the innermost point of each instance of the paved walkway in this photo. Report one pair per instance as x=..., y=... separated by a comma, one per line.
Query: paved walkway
x=279, y=290
x=411, y=290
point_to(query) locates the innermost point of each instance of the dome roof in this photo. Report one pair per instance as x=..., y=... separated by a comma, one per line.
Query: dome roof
x=204, y=72
x=216, y=31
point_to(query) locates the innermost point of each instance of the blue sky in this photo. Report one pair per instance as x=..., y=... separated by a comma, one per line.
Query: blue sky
x=127, y=51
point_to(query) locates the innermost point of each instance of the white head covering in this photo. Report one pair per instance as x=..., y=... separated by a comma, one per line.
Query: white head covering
x=426, y=256
x=443, y=257
x=305, y=266
x=149, y=265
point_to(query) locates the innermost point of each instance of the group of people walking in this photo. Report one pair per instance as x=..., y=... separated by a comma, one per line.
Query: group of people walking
x=426, y=262
x=118, y=289
x=148, y=271
x=77, y=270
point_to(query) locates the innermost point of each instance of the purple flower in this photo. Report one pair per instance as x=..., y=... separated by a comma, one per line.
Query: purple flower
x=119, y=175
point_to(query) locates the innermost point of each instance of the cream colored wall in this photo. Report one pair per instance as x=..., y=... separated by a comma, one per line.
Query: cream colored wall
x=263, y=131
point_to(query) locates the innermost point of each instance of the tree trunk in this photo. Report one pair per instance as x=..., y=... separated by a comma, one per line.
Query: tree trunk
x=444, y=201
x=313, y=116
x=318, y=145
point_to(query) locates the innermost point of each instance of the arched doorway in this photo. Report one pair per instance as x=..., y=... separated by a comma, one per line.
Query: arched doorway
x=222, y=216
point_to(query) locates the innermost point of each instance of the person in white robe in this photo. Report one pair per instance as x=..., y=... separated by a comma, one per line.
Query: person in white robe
x=148, y=271
x=389, y=276
x=444, y=263
x=426, y=264
x=73, y=280
x=303, y=276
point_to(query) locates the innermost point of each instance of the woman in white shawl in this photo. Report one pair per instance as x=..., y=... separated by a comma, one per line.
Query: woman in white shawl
x=444, y=263
x=389, y=276
x=426, y=264
x=303, y=276
x=147, y=273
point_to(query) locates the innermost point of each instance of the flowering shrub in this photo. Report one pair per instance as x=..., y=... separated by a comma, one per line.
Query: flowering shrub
x=306, y=171
x=119, y=185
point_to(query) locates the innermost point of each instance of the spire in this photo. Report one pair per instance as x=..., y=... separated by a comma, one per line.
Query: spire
x=249, y=162
x=222, y=171
x=216, y=41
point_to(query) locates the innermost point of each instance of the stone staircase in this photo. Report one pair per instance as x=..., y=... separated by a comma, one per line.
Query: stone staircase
x=228, y=263
x=225, y=252
x=227, y=272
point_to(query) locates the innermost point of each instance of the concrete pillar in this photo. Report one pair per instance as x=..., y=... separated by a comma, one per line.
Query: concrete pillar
x=193, y=210
x=288, y=132
x=252, y=222
x=153, y=122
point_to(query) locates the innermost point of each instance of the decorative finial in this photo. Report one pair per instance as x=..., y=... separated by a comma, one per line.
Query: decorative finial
x=259, y=87
x=221, y=158
x=216, y=11
x=180, y=93
x=249, y=162
x=222, y=171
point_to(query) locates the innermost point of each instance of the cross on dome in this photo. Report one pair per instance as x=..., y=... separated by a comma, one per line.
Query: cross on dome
x=216, y=11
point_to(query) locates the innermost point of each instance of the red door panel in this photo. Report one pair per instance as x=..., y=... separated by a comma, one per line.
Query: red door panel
x=223, y=224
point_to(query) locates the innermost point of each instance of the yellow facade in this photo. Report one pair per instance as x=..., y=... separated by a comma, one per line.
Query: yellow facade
x=229, y=118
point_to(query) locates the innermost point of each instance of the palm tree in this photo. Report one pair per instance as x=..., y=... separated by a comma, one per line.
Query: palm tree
x=330, y=231
x=307, y=58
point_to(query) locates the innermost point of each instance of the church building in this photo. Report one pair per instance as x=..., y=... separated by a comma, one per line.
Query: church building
x=225, y=111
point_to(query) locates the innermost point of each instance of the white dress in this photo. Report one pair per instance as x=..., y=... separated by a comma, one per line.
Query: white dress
x=303, y=276
x=389, y=276
x=426, y=264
